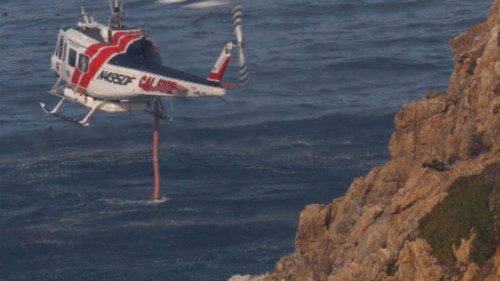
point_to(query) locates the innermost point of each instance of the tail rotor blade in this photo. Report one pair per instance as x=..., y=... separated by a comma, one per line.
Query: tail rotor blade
x=237, y=22
x=243, y=72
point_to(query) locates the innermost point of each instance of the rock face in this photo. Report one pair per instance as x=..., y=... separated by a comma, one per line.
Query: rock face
x=371, y=233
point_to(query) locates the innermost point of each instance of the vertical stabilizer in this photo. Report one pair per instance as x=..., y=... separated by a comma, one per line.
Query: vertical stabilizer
x=221, y=64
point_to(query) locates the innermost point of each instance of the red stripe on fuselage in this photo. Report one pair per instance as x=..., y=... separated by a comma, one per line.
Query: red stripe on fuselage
x=90, y=52
x=102, y=53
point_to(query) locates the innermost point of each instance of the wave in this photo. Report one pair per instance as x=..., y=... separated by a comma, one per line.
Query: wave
x=298, y=9
x=196, y=4
x=170, y=1
x=382, y=63
x=125, y=202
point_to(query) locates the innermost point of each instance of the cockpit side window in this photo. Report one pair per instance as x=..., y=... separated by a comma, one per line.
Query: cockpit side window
x=72, y=57
x=64, y=51
x=83, y=63
x=59, y=48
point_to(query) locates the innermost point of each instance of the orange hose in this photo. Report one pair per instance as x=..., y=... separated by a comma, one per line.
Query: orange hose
x=156, y=168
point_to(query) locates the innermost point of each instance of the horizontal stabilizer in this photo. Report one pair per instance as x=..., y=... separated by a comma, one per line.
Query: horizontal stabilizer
x=231, y=85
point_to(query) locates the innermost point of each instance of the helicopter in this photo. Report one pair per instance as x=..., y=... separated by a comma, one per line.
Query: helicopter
x=117, y=68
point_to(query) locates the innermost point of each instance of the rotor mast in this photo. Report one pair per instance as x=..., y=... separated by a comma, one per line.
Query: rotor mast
x=117, y=14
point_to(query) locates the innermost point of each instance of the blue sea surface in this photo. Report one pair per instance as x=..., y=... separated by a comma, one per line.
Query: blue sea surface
x=326, y=80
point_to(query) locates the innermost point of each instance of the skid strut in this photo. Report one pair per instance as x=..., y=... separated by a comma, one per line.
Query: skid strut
x=85, y=120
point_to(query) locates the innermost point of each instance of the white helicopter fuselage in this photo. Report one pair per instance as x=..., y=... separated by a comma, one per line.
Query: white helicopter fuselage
x=122, y=64
x=114, y=68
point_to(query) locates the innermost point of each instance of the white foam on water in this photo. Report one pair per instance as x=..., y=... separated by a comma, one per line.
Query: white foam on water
x=54, y=242
x=187, y=209
x=159, y=201
x=170, y=1
x=196, y=5
x=207, y=4
x=123, y=202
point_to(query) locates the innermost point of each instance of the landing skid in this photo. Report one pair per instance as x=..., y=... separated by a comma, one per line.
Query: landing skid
x=55, y=90
x=66, y=93
x=54, y=112
x=61, y=116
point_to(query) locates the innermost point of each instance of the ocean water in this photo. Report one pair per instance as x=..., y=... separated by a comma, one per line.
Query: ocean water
x=326, y=80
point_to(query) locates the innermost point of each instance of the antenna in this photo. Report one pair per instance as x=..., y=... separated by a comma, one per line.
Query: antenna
x=117, y=15
x=86, y=19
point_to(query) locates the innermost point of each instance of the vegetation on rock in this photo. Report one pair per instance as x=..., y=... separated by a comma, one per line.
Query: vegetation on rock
x=472, y=204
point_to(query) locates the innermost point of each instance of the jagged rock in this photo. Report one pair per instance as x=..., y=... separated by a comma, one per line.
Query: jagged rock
x=497, y=69
x=462, y=253
x=470, y=272
x=416, y=263
x=371, y=232
x=248, y=278
x=491, y=271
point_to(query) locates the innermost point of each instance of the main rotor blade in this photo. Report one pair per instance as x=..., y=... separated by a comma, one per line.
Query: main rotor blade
x=237, y=21
x=243, y=72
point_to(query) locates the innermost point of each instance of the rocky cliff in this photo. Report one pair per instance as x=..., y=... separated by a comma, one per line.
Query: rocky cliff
x=406, y=219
